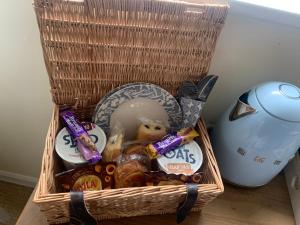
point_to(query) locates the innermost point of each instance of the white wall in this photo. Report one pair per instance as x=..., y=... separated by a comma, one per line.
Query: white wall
x=25, y=103
x=249, y=51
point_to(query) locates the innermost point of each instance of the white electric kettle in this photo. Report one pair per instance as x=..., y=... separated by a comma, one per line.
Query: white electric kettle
x=257, y=136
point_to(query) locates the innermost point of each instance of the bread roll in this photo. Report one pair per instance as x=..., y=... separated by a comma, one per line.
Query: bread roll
x=151, y=131
x=130, y=171
x=136, y=149
x=113, y=147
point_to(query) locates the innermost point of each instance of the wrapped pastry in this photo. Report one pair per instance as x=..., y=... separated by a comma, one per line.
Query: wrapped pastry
x=130, y=171
x=135, y=149
x=113, y=148
x=88, y=178
x=151, y=131
x=171, y=141
x=84, y=143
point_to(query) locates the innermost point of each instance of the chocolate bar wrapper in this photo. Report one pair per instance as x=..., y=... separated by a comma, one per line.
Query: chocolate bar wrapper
x=171, y=142
x=84, y=143
x=87, y=178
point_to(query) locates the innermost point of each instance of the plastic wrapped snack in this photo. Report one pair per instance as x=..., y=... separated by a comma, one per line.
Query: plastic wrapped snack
x=83, y=141
x=150, y=130
x=130, y=170
x=171, y=141
x=135, y=149
x=88, y=178
x=113, y=148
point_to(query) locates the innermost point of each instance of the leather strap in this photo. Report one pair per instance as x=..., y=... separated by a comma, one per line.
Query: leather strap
x=80, y=216
x=190, y=199
x=78, y=212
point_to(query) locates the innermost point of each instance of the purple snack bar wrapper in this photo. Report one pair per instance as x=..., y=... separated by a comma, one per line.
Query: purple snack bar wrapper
x=91, y=156
x=84, y=143
x=171, y=142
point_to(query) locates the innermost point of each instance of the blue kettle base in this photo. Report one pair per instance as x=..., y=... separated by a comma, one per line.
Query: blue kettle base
x=240, y=185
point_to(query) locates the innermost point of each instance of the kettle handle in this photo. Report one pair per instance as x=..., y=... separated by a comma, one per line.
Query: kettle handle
x=241, y=108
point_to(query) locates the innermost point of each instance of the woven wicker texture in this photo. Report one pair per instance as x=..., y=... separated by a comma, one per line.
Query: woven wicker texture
x=91, y=46
x=124, y=202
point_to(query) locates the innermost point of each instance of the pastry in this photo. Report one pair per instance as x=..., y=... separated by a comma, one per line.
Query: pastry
x=130, y=171
x=136, y=149
x=151, y=131
x=113, y=147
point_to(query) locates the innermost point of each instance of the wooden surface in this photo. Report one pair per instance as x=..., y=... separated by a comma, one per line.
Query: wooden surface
x=268, y=205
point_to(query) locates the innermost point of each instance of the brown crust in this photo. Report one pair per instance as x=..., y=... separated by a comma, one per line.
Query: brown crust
x=136, y=149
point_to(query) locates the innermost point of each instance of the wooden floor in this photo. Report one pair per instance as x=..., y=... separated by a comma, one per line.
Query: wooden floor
x=268, y=205
x=12, y=200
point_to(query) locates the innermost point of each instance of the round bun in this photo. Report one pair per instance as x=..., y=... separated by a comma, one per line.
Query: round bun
x=151, y=131
x=136, y=149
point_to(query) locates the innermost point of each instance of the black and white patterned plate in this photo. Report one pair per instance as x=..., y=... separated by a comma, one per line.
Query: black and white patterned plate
x=115, y=98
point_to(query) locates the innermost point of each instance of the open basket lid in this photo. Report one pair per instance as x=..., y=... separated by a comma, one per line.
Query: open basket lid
x=92, y=46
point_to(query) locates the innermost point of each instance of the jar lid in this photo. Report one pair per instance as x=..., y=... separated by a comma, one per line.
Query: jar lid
x=281, y=100
x=66, y=147
x=186, y=159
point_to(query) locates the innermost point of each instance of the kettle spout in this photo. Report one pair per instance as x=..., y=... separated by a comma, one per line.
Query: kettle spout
x=241, y=108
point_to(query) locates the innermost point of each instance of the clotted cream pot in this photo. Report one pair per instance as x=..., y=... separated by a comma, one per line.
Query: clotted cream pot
x=257, y=136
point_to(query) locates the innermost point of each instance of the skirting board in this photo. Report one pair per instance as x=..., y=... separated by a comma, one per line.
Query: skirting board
x=17, y=178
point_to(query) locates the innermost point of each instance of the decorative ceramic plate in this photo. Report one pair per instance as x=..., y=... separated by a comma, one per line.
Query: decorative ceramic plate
x=114, y=99
x=110, y=93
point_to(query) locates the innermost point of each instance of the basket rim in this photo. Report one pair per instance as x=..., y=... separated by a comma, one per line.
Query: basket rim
x=217, y=187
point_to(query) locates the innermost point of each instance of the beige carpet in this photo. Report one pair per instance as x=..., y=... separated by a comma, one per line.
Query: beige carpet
x=12, y=200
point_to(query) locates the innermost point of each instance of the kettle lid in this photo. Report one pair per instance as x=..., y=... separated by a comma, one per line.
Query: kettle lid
x=281, y=100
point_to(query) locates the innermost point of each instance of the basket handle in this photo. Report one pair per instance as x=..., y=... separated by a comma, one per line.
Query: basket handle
x=79, y=214
x=190, y=200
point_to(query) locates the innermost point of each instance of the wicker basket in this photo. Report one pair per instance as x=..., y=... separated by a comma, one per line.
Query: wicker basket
x=92, y=46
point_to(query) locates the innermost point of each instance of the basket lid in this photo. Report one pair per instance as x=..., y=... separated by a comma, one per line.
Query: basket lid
x=92, y=46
